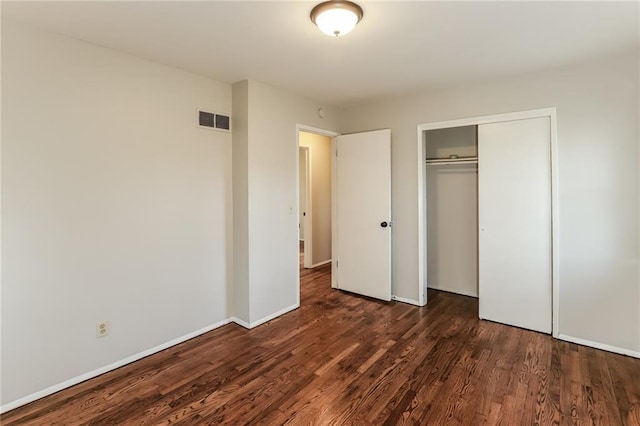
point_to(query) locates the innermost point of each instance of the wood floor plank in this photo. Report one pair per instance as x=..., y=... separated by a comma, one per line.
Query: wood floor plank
x=346, y=359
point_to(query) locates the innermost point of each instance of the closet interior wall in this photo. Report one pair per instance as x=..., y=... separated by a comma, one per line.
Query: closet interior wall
x=452, y=211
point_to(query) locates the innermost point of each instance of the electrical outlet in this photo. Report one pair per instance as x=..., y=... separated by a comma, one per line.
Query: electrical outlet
x=102, y=329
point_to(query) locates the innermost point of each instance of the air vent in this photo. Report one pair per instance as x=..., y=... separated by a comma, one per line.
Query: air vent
x=223, y=122
x=206, y=119
x=213, y=121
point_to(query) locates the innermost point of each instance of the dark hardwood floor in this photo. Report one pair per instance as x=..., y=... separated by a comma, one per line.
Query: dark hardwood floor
x=345, y=359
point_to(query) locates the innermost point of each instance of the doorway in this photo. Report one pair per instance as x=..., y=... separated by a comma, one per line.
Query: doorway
x=363, y=162
x=314, y=153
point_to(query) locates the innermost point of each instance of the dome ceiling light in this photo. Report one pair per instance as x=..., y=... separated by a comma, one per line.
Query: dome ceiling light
x=336, y=17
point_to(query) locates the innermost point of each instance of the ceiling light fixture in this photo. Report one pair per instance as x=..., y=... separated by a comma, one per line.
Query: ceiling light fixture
x=336, y=17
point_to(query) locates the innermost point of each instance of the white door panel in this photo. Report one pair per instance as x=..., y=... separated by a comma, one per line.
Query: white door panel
x=363, y=199
x=514, y=218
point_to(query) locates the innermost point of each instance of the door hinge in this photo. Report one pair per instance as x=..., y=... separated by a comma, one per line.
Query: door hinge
x=336, y=152
x=336, y=263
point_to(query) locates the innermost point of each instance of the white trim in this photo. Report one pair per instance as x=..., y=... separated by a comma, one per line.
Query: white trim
x=274, y=315
x=555, y=230
x=320, y=264
x=308, y=224
x=460, y=292
x=487, y=119
x=422, y=220
x=297, y=208
x=600, y=346
x=555, y=214
x=94, y=373
x=310, y=129
x=268, y=318
x=405, y=300
x=334, y=215
x=638, y=159
x=241, y=323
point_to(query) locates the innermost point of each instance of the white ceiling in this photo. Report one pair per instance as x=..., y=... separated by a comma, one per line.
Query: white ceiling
x=397, y=47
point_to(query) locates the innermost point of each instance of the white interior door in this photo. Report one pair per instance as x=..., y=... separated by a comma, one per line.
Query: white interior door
x=363, y=213
x=303, y=154
x=514, y=218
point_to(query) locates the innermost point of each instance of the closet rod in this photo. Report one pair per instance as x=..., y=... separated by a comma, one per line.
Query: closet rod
x=447, y=161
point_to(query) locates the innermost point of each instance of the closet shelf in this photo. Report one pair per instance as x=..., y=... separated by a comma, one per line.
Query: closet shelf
x=446, y=161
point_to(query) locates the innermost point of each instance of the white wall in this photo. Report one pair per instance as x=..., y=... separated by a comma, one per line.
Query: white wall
x=116, y=207
x=452, y=212
x=272, y=177
x=597, y=108
x=320, y=162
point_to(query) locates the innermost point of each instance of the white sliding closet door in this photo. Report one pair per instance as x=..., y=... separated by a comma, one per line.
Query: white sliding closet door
x=514, y=222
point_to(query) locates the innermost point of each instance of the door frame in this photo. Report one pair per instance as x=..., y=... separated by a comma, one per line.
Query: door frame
x=555, y=215
x=308, y=229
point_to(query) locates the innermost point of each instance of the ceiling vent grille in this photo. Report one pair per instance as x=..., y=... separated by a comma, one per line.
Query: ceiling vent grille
x=214, y=121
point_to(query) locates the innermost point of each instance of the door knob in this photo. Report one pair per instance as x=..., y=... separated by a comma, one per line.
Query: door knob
x=384, y=224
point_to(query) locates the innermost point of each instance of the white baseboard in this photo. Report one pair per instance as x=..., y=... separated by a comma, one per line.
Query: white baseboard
x=128, y=360
x=265, y=319
x=456, y=291
x=320, y=264
x=277, y=314
x=405, y=300
x=91, y=374
x=241, y=323
x=597, y=345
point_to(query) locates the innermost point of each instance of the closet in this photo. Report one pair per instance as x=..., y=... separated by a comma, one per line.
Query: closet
x=489, y=218
x=452, y=209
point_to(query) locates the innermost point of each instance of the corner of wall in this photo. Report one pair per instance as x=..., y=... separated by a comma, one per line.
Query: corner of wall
x=240, y=204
